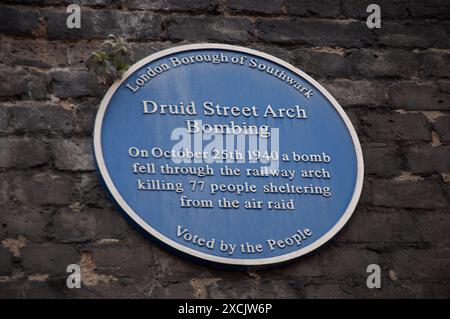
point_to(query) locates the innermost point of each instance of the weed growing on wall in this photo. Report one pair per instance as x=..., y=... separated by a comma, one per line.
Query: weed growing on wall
x=111, y=61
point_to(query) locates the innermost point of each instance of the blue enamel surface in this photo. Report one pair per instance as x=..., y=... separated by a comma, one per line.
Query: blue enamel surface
x=124, y=125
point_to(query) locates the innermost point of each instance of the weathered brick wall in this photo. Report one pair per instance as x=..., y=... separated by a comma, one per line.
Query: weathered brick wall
x=394, y=83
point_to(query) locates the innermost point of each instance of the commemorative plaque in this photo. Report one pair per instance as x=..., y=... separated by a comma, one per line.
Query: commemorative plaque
x=228, y=155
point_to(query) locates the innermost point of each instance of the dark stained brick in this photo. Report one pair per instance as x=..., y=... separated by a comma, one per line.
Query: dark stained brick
x=173, y=5
x=442, y=127
x=22, y=152
x=23, y=84
x=89, y=224
x=414, y=34
x=382, y=160
x=371, y=63
x=28, y=221
x=422, y=264
x=408, y=194
x=67, y=84
x=18, y=21
x=426, y=96
x=46, y=118
x=397, y=127
x=209, y=29
x=6, y=263
x=43, y=189
x=314, y=32
x=255, y=6
x=73, y=155
x=48, y=258
x=322, y=63
x=314, y=8
x=358, y=92
x=429, y=160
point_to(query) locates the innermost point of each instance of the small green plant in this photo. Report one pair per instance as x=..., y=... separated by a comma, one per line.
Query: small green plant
x=111, y=61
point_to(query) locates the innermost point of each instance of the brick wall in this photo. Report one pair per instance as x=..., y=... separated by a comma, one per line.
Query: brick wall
x=394, y=83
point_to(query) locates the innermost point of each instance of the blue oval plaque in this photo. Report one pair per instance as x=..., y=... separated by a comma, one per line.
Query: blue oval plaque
x=228, y=154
